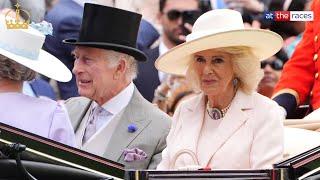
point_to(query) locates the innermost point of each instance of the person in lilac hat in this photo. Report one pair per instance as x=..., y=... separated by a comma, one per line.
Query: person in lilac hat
x=21, y=58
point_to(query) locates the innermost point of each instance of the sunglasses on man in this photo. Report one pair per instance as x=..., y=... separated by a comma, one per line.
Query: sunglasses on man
x=187, y=16
x=276, y=64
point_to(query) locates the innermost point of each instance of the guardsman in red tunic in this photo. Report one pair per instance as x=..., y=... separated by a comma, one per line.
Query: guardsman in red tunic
x=300, y=76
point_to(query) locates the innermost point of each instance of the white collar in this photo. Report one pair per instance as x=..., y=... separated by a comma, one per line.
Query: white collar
x=120, y=101
x=162, y=48
x=81, y=2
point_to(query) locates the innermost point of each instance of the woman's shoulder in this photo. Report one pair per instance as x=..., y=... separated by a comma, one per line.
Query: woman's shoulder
x=42, y=103
x=266, y=107
x=192, y=101
x=261, y=100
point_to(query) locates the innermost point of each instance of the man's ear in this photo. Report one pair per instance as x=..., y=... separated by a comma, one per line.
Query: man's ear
x=120, y=70
x=160, y=17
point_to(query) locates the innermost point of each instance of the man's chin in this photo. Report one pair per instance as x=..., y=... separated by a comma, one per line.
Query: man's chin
x=84, y=93
x=267, y=86
x=176, y=40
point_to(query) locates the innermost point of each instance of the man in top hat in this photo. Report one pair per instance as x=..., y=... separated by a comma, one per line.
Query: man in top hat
x=112, y=119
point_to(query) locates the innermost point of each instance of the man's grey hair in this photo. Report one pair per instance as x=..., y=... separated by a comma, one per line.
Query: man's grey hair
x=114, y=58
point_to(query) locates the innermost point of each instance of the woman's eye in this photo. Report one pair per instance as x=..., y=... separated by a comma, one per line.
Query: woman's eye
x=217, y=60
x=200, y=59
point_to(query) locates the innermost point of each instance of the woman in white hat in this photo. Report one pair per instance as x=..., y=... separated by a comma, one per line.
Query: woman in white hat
x=20, y=58
x=227, y=125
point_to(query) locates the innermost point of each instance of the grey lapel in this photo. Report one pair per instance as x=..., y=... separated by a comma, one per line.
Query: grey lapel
x=77, y=109
x=84, y=112
x=121, y=138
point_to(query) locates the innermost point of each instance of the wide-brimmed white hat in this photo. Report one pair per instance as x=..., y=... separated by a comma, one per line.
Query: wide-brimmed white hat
x=24, y=47
x=217, y=29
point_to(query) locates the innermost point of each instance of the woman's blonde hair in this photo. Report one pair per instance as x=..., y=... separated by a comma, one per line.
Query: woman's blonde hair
x=246, y=68
x=10, y=69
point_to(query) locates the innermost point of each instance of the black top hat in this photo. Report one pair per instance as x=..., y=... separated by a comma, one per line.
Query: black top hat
x=109, y=28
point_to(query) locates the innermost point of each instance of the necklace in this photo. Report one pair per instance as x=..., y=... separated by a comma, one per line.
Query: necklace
x=216, y=113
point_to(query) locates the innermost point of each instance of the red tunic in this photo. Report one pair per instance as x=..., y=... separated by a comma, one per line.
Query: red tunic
x=301, y=72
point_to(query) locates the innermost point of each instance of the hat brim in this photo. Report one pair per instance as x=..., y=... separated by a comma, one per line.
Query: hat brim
x=46, y=64
x=263, y=43
x=137, y=54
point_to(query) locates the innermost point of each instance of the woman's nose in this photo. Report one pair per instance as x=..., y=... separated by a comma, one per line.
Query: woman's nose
x=207, y=69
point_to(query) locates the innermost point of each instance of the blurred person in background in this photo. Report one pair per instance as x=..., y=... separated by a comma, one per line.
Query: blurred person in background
x=173, y=16
x=36, y=8
x=65, y=18
x=250, y=9
x=291, y=32
x=38, y=88
x=272, y=68
x=297, y=26
x=149, y=27
x=50, y=4
x=171, y=93
x=299, y=81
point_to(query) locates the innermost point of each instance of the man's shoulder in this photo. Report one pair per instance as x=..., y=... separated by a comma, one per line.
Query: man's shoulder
x=158, y=115
x=77, y=107
x=77, y=102
x=153, y=113
x=64, y=11
x=152, y=53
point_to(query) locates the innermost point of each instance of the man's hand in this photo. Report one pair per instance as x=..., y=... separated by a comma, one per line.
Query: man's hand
x=254, y=25
x=189, y=28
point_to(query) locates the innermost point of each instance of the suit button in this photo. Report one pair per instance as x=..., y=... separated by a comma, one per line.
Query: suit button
x=315, y=57
x=316, y=75
x=316, y=38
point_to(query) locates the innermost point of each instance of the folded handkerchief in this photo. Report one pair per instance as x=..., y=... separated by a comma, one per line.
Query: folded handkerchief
x=134, y=154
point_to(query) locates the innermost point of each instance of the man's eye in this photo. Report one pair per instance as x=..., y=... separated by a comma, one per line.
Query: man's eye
x=86, y=60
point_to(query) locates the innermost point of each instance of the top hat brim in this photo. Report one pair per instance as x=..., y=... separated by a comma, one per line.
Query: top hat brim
x=263, y=44
x=137, y=54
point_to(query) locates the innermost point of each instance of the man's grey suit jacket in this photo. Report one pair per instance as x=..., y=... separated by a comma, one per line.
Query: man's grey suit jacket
x=152, y=129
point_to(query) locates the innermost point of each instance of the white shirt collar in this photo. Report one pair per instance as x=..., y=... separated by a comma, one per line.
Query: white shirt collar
x=120, y=101
x=162, y=48
x=81, y=2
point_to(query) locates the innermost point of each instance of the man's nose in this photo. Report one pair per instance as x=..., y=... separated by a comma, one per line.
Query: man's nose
x=268, y=68
x=76, y=67
x=180, y=20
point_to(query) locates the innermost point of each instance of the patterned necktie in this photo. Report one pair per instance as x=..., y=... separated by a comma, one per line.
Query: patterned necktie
x=91, y=127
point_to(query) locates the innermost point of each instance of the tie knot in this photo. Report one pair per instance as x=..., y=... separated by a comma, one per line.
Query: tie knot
x=98, y=110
